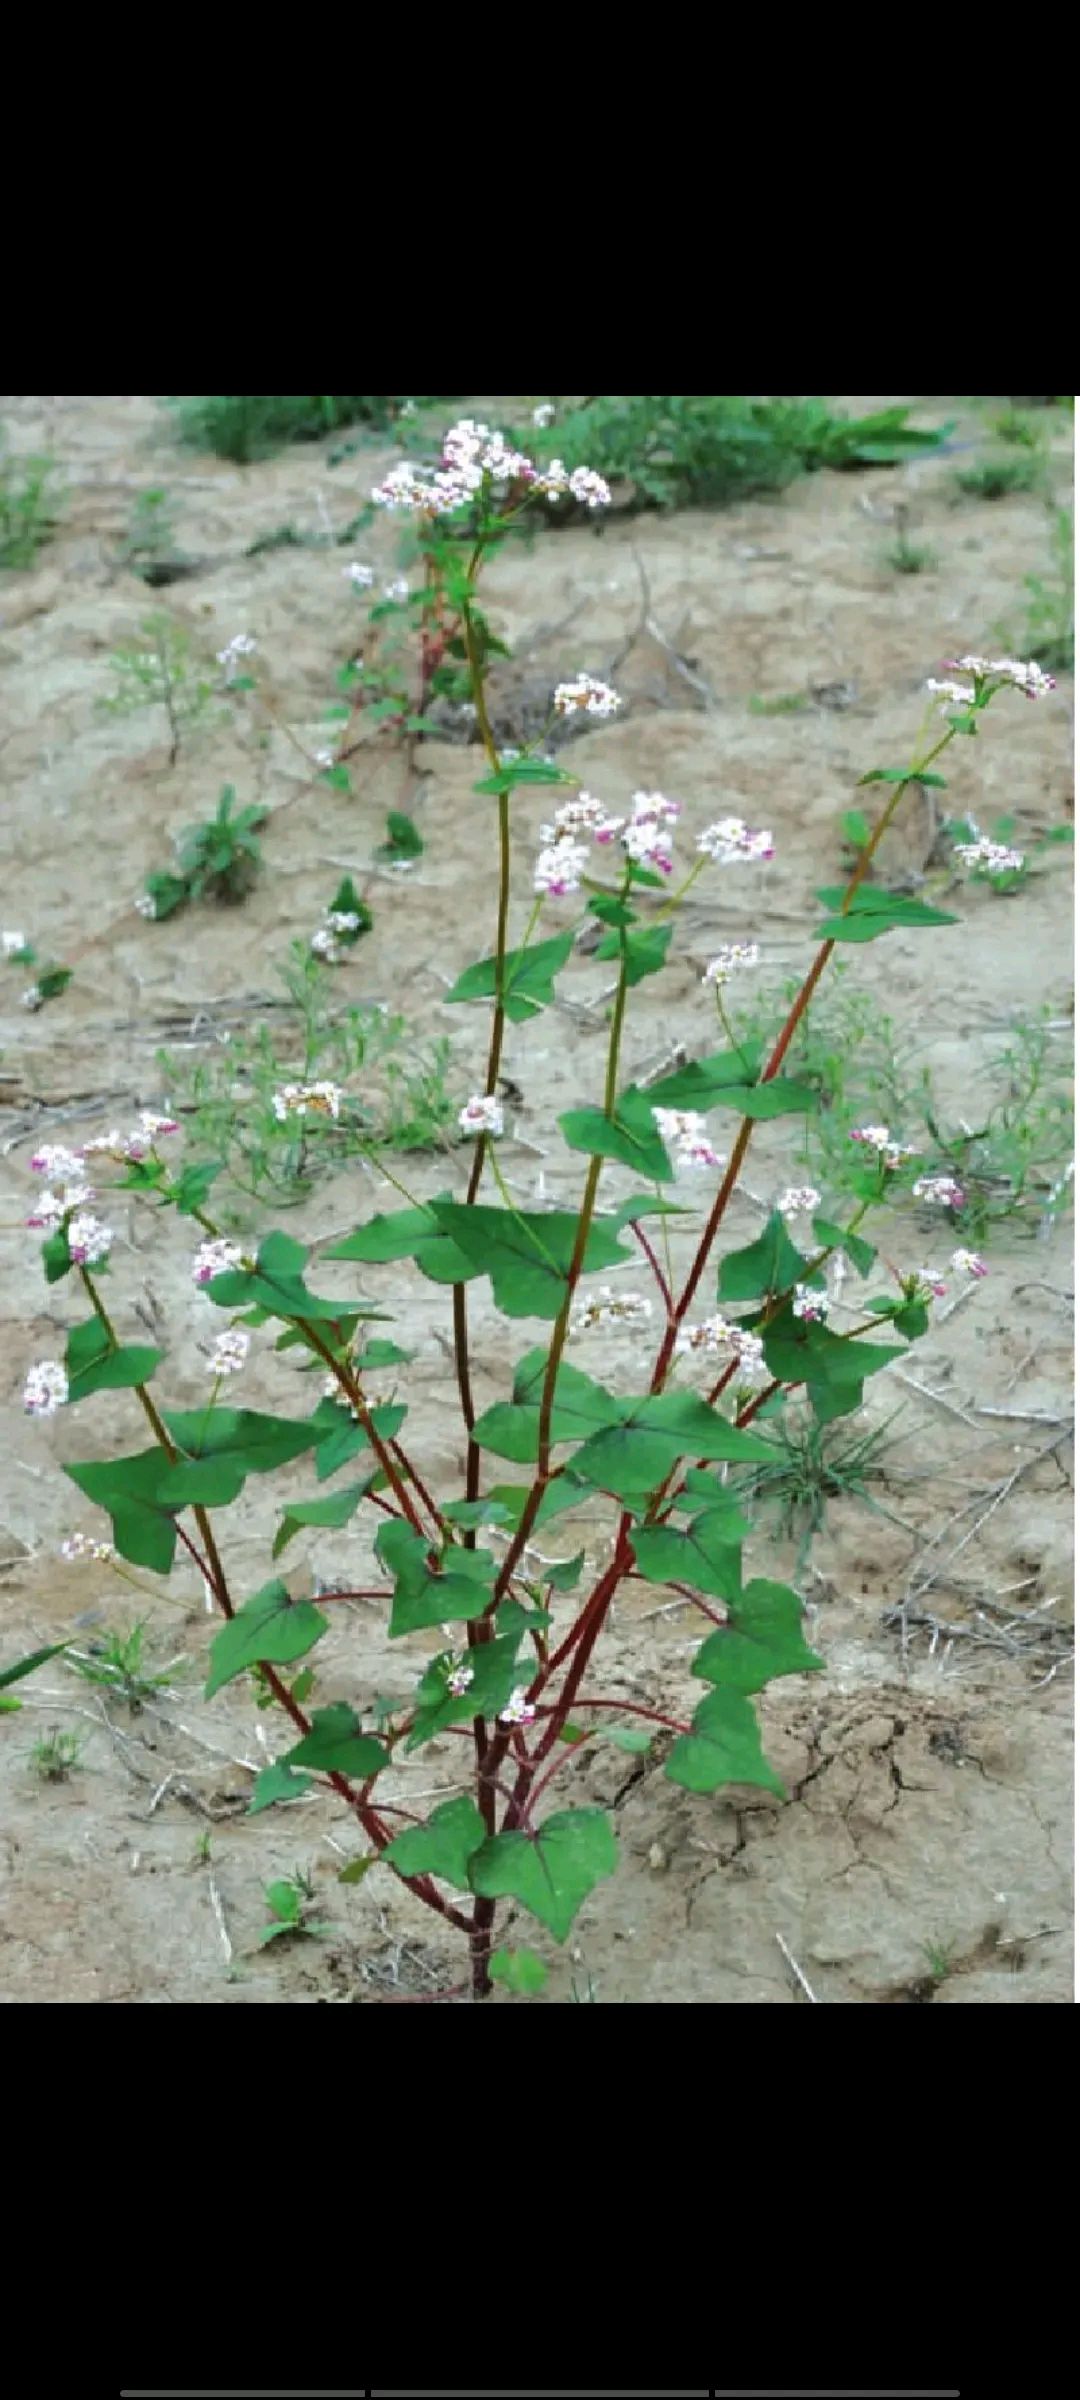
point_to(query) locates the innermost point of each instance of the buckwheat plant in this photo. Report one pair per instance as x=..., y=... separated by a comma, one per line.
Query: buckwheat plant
x=510, y=1687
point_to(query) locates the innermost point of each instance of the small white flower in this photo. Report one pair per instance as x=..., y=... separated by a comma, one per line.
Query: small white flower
x=582, y=815
x=800, y=1201
x=45, y=1389
x=13, y=942
x=482, y=1114
x=33, y=997
x=518, y=1710
x=241, y=646
x=545, y=414
x=988, y=858
x=459, y=1678
x=146, y=905
x=590, y=488
x=732, y=959
x=813, y=1307
x=89, y=1241
x=712, y=1335
x=51, y=1208
x=559, y=868
x=79, y=1548
x=398, y=589
x=729, y=841
x=942, y=1190
x=588, y=693
x=343, y=920
x=610, y=1308
x=324, y=758
x=957, y=695
x=968, y=1262
x=154, y=1128
x=54, y=1159
x=215, y=1258
x=360, y=577
x=230, y=1351
x=1026, y=675
x=683, y=1131
x=325, y=946
x=878, y=1139
x=297, y=1099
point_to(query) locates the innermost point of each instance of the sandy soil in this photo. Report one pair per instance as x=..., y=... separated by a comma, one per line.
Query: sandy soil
x=924, y=1851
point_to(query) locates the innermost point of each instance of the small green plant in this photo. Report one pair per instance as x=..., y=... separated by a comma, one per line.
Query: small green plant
x=228, y=1099
x=784, y=704
x=217, y=860
x=27, y=508
x=939, y=1958
x=1015, y=1164
x=50, y=979
x=814, y=1463
x=159, y=671
x=289, y=1902
x=404, y=843
x=117, y=1662
x=702, y=450
x=991, y=859
x=280, y=537
x=245, y=428
x=56, y=1755
x=905, y=556
x=1049, y=627
x=1012, y=425
x=995, y=478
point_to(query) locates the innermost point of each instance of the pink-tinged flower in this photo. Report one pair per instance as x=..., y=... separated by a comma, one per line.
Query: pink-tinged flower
x=729, y=841
x=889, y=1153
x=215, y=1258
x=107, y=1145
x=968, y=1262
x=610, y=1308
x=459, y=1678
x=582, y=815
x=590, y=488
x=518, y=1710
x=714, y=1336
x=588, y=693
x=733, y=958
x=560, y=866
x=933, y=1281
x=51, y=1208
x=1028, y=677
x=301, y=1099
x=155, y=1128
x=89, y=1241
x=482, y=1114
x=682, y=1130
x=45, y=1389
x=230, y=1350
x=812, y=1307
x=942, y=1191
x=800, y=1201
x=79, y=1549
x=985, y=857
x=648, y=845
x=54, y=1159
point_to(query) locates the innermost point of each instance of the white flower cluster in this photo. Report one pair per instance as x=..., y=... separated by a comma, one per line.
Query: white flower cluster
x=586, y=692
x=733, y=958
x=645, y=837
x=338, y=930
x=1024, y=673
x=45, y=1389
x=127, y=1149
x=230, y=1350
x=482, y=1114
x=715, y=1336
x=878, y=1139
x=361, y=578
x=12, y=942
x=683, y=1132
x=812, y=1307
x=241, y=646
x=583, y=815
x=461, y=1675
x=473, y=453
x=215, y=1258
x=956, y=695
x=986, y=857
x=934, y=1280
x=518, y=1710
x=942, y=1191
x=610, y=1308
x=66, y=1204
x=729, y=841
x=299, y=1099
x=800, y=1201
x=89, y=1239
x=78, y=1549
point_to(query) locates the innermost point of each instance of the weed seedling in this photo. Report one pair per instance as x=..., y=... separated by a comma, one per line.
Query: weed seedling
x=814, y=1464
x=160, y=672
x=289, y=1902
x=117, y=1663
x=996, y=478
x=56, y=1755
x=27, y=509
x=217, y=860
